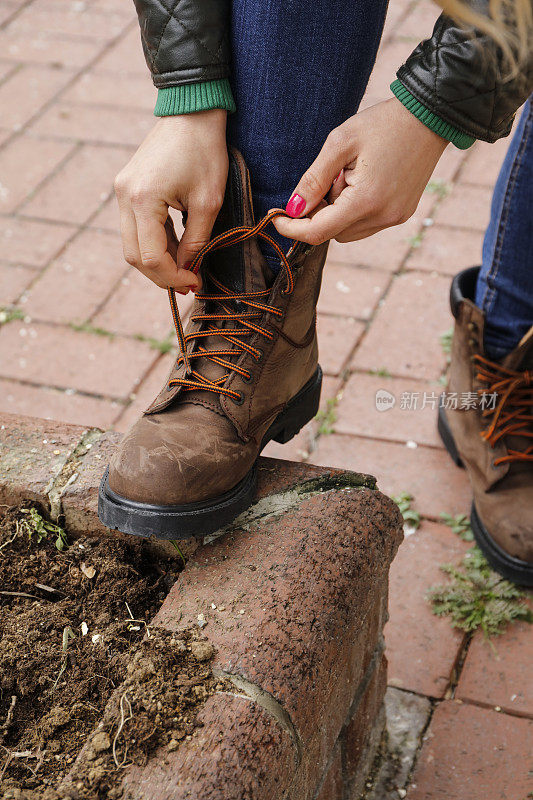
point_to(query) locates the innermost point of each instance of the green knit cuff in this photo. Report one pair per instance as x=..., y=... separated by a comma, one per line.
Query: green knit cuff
x=429, y=119
x=190, y=97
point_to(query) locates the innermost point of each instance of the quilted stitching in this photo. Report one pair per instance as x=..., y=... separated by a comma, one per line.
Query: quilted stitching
x=431, y=73
x=176, y=34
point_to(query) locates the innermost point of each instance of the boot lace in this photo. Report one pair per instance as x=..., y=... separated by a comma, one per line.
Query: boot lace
x=244, y=321
x=513, y=414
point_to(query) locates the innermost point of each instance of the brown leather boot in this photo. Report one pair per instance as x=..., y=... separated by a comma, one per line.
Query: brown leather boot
x=247, y=373
x=494, y=439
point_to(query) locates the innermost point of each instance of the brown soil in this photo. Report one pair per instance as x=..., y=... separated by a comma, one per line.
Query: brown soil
x=67, y=642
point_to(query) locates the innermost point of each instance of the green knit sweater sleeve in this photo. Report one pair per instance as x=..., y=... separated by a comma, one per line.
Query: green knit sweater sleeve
x=461, y=140
x=190, y=97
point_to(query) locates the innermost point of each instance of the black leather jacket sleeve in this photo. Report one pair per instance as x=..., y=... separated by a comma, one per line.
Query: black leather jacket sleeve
x=457, y=74
x=185, y=41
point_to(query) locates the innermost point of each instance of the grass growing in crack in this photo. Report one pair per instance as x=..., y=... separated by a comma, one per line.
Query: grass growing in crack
x=8, y=314
x=439, y=188
x=163, y=345
x=381, y=372
x=327, y=417
x=446, y=342
x=460, y=524
x=86, y=327
x=411, y=517
x=416, y=240
x=479, y=598
x=34, y=525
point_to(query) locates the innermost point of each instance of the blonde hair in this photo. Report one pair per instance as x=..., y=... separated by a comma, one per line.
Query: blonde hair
x=508, y=22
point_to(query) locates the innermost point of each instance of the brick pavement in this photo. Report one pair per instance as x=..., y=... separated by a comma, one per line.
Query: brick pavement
x=75, y=99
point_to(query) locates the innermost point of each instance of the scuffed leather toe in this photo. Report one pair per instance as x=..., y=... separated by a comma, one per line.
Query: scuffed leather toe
x=176, y=458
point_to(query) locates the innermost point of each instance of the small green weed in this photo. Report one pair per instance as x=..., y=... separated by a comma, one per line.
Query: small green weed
x=163, y=345
x=460, y=524
x=416, y=240
x=439, y=188
x=446, y=341
x=381, y=372
x=35, y=526
x=410, y=516
x=86, y=327
x=9, y=313
x=478, y=598
x=327, y=417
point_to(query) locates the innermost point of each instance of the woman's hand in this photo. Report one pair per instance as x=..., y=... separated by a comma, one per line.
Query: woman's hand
x=182, y=163
x=372, y=170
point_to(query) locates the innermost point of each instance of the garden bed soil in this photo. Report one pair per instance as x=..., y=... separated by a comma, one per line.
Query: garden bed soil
x=75, y=634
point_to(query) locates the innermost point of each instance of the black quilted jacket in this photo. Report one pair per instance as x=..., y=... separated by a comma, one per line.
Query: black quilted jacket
x=454, y=74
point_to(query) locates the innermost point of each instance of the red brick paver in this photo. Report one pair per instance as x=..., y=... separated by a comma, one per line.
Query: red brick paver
x=498, y=672
x=422, y=649
x=474, y=753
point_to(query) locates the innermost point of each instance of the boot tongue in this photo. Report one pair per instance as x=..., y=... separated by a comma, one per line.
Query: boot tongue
x=520, y=360
x=240, y=268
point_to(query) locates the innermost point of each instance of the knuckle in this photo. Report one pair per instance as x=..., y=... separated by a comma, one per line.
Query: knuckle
x=120, y=185
x=150, y=261
x=210, y=203
x=315, y=238
x=139, y=195
x=130, y=258
x=337, y=139
x=312, y=183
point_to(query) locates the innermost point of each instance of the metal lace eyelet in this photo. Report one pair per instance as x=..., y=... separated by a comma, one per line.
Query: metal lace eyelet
x=247, y=378
x=239, y=400
x=259, y=355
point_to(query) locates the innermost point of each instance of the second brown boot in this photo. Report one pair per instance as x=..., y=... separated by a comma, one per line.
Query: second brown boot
x=247, y=373
x=486, y=424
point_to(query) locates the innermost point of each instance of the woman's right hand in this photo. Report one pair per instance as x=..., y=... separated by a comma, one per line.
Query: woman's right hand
x=182, y=164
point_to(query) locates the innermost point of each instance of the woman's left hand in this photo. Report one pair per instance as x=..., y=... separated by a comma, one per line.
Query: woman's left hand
x=372, y=171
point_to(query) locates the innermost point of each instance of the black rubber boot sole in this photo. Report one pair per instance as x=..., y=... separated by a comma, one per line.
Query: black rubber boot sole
x=205, y=517
x=509, y=567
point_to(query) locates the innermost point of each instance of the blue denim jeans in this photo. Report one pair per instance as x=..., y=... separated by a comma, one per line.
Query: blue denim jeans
x=299, y=70
x=504, y=289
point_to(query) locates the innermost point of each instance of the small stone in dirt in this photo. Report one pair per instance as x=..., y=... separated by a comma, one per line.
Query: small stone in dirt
x=100, y=742
x=173, y=745
x=202, y=651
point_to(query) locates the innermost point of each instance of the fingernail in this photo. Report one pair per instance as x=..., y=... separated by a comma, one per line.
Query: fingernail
x=295, y=206
x=338, y=176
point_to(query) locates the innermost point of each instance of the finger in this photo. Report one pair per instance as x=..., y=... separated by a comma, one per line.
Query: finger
x=339, y=184
x=128, y=232
x=357, y=232
x=317, y=181
x=327, y=222
x=200, y=220
x=152, y=235
x=172, y=239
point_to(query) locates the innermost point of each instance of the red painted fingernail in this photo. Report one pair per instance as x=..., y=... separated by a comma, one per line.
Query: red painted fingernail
x=338, y=176
x=295, y=206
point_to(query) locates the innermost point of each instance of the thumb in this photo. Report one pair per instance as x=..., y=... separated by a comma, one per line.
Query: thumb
x=315, y=184
x=197, y=233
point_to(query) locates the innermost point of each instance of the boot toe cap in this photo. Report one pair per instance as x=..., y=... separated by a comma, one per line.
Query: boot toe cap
x=177, y=466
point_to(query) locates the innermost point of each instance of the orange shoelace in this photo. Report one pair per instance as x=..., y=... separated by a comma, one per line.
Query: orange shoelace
x=513, y=414
x=244, y=324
